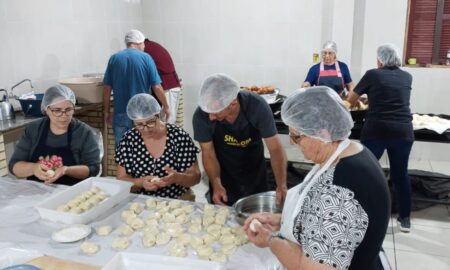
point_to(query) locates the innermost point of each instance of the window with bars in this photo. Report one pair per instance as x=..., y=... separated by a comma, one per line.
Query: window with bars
x=428, y=31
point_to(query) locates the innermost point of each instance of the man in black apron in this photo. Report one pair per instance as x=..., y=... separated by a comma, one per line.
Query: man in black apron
x=230, y=125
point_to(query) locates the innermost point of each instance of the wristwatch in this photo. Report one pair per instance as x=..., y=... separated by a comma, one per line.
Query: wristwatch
x=275, y=235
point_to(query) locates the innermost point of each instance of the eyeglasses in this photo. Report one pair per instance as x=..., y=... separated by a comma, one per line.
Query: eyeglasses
x=59, y=112
x=148, y=124
x=296, y=138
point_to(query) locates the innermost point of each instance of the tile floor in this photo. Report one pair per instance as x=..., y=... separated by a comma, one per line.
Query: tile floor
x=427, y=246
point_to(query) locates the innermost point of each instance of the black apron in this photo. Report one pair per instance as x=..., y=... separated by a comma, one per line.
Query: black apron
x=65, y=153
x=331, y=78
x=240, y=152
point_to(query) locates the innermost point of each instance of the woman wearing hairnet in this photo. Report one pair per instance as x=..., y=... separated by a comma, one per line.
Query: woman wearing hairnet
x=159, y=158
x=388, y=124
x=338, y=216
x=330, y=72
x=57, y=135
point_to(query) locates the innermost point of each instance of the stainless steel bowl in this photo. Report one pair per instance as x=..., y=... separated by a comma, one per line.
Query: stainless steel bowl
x=257, y=203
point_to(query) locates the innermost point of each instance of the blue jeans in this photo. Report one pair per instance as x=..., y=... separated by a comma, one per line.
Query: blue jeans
x=121, y=123
x=398, y=152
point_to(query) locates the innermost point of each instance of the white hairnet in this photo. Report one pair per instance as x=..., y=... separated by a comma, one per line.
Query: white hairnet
x=330, y=45
x=134, y=36
x=56, y=94
x=217, y=92
x=142, y=106
x=389, y=56
x=317, y=112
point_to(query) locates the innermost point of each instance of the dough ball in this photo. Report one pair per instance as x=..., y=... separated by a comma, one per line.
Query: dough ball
x=195, y=228
x=241, y=239
x=238, y=230
x=204, y=251
x=208, y=208
x=94, y=200
x=168, y=218
x=73, y=203
x=196, y=241
x=178, y=211
x=63, y=208
x=120, y=243
x=227, y=239
x=150, y=203
x=86, y=206
x=225, y=231
x=207, y=220
x=164, y=210
x=220, y=219
x=137, y=224
x=126, y=214
x=174, y=204
x=126, y=230
x=136, y=208
x=151, y=230
x=104, y=230
x=148, y=240
x=184, y=239
x=196, y=220
x=224, y=211
x=162, y=238
x=177, y=250
x=213, y=227
x=154, y=215
x=208, y=239
x=95, y=189
x=189, y=208
x=228, y=249
x=181, y=219
x=89, y=248
x=218, y=257
x=253, y=224
x=152, y=223
x=215, y=234
x=173, y=229
x=161, y=204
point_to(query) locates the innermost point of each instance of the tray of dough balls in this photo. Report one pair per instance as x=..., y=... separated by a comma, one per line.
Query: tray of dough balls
x=176, y=232
x=83, y=202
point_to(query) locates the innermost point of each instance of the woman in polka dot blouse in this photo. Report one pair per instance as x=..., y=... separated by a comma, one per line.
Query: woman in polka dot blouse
x=159, y=158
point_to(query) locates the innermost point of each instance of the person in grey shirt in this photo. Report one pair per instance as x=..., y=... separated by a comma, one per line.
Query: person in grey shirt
x=59, y=137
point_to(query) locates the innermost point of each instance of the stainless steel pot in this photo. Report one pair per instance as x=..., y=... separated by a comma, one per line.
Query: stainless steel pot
x=6, y=109
x=257, y=203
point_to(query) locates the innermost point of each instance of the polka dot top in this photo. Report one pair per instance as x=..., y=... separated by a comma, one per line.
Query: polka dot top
x=179, y=153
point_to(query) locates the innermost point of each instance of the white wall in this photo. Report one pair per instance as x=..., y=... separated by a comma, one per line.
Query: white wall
x=47, y=40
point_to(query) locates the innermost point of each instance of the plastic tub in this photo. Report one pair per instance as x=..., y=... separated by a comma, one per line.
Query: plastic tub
x=86, y=89
x=32, y=107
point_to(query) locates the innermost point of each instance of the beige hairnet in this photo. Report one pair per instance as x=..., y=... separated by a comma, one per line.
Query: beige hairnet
x=217, y=92
x=142, y=106
x=389, y=56
x=56, y=94
x=330, y=45
x=134, y=36
x=317, y=112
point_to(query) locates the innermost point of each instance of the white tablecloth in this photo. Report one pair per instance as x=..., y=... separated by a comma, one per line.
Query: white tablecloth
x=21, y=226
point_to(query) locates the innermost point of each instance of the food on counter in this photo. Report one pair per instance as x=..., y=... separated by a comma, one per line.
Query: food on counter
x=175, y=204
x=260, y=89
x=423, y=120
x=89, y=247
x=152, y=222
x=207, y=220
x=204, y=251
x=104, y=230
x=126, y=230
x=173, y=229
x=208, y=209
x=168, y=218
x=177, y=250
x=228, y=249
x=181, y=219
x=161, y=205
x=83, y=202
x=184, y=239
x=188, y=208
x=218, y=257
x=162, y=238
x=253, y=224
x=196, y=241
x=120, y=243
x=136, y=208
x=148, y=240
x=127, y=214
x=153, y=230
x=195, y=228
x=150, y=203
x=208, y=239
x=137, y=224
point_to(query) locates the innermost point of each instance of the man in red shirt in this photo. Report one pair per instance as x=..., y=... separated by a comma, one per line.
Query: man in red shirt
x=170, y=81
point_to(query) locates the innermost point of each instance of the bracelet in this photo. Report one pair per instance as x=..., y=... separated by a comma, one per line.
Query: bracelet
x=275, y=235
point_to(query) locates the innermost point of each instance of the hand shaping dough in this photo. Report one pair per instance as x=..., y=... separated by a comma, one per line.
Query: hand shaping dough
x=120, y=243
x=104, y=230
x=89, y=247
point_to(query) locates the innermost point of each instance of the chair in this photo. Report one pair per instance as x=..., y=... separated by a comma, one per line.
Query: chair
x=99, y=138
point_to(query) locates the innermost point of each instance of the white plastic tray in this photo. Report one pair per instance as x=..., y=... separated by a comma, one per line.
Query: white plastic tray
x=117, y=190
x=141, y=261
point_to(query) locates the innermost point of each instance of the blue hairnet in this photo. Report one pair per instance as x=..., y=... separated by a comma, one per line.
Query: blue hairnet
x=317, y=112
x=389, y=56
x=217, y=92
x=142, y=106
x=56, y=94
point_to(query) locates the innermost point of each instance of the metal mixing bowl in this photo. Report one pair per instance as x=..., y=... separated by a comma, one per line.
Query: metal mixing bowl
x=257, y=203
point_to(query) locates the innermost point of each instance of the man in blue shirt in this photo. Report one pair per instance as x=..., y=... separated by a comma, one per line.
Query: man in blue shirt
x=130, y=72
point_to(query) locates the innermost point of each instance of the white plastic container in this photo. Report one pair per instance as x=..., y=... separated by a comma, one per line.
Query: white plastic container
x=141, y=261
x=86, y=89
x=117, y=191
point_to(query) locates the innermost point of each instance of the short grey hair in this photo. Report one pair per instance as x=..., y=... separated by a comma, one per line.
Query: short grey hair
x=389, y=56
